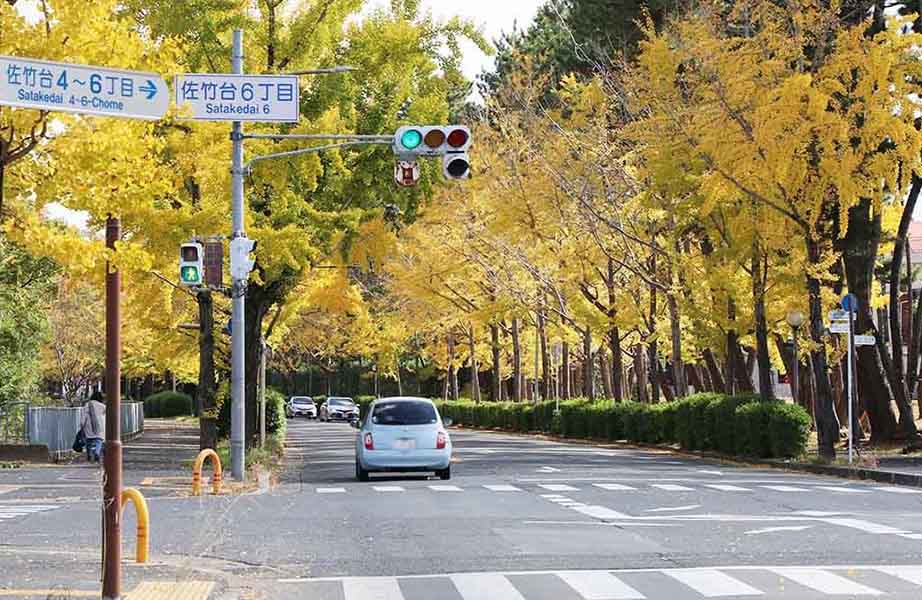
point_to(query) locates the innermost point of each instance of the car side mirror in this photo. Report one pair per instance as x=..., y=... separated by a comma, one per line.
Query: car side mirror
x=447, y=421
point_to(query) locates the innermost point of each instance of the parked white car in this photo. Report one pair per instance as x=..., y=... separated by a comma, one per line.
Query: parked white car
x=301, y=406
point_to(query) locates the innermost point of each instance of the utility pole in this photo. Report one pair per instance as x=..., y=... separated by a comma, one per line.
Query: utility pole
x=238, y=286
x=112, y=490
x=262, y=392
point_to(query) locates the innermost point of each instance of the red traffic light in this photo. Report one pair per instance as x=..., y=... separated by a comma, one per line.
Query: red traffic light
x=189, y=252
x=457, y=138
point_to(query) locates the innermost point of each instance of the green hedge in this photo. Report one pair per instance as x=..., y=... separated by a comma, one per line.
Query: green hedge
x=276, y=423
x=740, y=425
x=168, y=404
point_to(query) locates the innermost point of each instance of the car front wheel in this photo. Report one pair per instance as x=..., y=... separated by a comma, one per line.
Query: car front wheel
x=360, y=473
x=444, y=473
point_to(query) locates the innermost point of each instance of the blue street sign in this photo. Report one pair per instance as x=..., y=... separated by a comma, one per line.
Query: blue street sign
x=227, y=97
x=84, y=89
x=850, y=302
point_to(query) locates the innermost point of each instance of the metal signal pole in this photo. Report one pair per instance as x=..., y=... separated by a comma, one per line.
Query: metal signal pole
x=238, y=287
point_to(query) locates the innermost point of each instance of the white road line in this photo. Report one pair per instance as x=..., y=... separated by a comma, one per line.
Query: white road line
x=671, y=487
x=711, y=583
x=674, y=508
x=550, y=496
x=784, y=488
x=331, y=490
x=866, y=526
x=910, y=574
x=598, y=585
x=558, y=487
x=502, y=488
x=776, y=529
x=445, y=488
x=8, y=488
x=898, y=490
x=911, y=536
x=372, y=588
x=387, y=488
x=600, y=512
x=727, y=488
x=485, y=586
x=614, y=487
x=843, y=489
x=825, y=582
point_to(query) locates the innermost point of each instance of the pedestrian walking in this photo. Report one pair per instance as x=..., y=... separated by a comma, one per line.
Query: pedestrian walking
x=94, y=427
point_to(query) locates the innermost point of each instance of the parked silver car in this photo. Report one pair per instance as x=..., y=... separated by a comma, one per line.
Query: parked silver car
x=339, y=408
x=402, y=434
x=301, y=405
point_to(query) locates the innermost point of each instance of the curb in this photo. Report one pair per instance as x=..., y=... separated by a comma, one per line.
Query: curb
x=891, y=477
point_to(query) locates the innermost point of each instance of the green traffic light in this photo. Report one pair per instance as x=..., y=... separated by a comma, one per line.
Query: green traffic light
x=411, y=138
x=190, y=275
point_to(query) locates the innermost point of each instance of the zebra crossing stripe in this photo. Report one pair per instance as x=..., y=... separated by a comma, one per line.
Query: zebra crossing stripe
x=910, y=574
x=599, y=585
x=712, y=583
x=825, y=582
x=784, y=488
x=614, y=487
x=671, y=487
x=372, y=588
x=22, y=510
x=485, y=586
x=727, y=488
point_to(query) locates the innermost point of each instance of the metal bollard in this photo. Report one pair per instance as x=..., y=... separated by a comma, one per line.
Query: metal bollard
x=140, y=509
x=216, y=477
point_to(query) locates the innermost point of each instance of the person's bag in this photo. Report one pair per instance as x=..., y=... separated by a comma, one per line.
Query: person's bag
x=79, y=441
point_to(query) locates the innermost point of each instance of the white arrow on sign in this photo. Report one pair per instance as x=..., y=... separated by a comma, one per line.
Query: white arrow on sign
x=864, y=340
x=228, y=97
x=838, y=327
x=84, y=89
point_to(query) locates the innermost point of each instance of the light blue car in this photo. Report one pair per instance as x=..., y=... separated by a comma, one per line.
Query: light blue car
x=400, y=435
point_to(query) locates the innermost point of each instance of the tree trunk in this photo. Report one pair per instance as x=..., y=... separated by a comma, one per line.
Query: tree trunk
x=759, y=267
x=566, y=380
x=861, y=244
x=694, y=379
x=475, y=371
x=717, y=380
x=605, y=365
x=258, y=302
x=516, y=362
x=913, y=362
x=496, y=393
x=640, y=373
x=547, y=386
x=205, y=391
x=617, y=364
x=678, y=366
x=452, y=371
x=588, y=371
x=827, y=426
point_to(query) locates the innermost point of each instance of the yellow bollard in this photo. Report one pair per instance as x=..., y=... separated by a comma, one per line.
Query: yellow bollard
x=197, y=471
x=140, y=509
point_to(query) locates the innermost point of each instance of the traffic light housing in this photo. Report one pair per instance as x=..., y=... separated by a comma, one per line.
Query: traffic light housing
x=456, y=165
x=191, y=264
x=240, y=262
x=412, y=141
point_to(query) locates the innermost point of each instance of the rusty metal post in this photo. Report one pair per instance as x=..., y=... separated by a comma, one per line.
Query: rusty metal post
x=112, y=492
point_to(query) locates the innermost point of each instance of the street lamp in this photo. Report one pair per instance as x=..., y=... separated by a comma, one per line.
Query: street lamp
x=795, y=319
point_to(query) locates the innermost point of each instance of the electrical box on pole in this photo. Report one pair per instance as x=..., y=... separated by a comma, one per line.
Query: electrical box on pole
x=214, y=263
x=240, y=262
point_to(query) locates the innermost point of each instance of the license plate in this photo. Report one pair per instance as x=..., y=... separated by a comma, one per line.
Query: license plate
x=404, y=444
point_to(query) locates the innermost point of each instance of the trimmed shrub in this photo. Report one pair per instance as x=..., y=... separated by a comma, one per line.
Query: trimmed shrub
x=168, y=404
x=788, y=428
x=752, y=435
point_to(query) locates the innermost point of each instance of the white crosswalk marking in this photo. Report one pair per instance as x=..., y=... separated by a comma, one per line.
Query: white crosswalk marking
x=387, y=488
x=445, y=488
x=372, y=588
x=898, y=490
x=558, y=487
x=671, y=487
x=825, y=581
x=784, y=488
x=614, y=487
x=910, y=574
x=600, y=512
x=712, y=583
x=846, y=490
x=727, y=488
x=331, y=490
x=598, y=585
x=502, y=488
x=485, y=586
x=22, y=510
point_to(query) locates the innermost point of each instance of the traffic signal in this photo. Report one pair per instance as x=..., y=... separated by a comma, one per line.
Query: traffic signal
x=240, y=262
x=191, y=264
x=411, y=141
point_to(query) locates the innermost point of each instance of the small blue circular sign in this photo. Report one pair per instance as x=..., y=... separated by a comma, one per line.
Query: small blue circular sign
x=850, y=302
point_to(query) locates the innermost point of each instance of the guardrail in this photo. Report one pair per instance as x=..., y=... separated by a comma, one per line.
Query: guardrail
x=56, y=428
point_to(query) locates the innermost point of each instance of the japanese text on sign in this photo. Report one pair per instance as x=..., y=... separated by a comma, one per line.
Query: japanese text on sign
x=221, y=97
x=46, y=85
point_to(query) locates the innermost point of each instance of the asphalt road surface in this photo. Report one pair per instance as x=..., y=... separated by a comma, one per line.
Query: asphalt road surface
x=531, y=519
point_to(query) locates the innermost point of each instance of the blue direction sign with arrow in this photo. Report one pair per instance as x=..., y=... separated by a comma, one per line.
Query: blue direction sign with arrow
x=85, y=89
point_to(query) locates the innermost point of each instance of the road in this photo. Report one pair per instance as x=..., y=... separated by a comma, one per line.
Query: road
x=531, y=519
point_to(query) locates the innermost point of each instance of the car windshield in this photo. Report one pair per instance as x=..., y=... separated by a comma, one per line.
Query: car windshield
x=340, y=402
x=302, y=401
x=404, y=413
